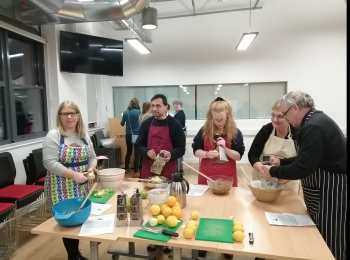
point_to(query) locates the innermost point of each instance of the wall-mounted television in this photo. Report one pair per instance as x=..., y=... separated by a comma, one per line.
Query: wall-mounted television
x=81, y=53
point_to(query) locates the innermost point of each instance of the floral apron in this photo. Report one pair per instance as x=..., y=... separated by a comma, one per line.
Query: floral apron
x=60, y=188
x=158, y=139
x=211, y=168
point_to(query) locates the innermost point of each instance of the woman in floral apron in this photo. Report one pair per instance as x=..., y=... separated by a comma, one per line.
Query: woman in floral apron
x=68, y=155
x=219, y=129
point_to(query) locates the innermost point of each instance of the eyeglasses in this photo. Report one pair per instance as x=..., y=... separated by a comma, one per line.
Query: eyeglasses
x=71, y=114
x=278, y=117
x=219, y=121
x=284, y=115
x=156, y=106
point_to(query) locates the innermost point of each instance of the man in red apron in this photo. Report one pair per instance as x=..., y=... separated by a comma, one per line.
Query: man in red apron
x=160, y=134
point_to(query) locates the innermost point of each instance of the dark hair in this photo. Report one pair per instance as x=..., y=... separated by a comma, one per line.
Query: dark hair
x=134, y=103
x=165, y=101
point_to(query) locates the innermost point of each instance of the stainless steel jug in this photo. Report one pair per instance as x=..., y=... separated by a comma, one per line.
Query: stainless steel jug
x=179, y=187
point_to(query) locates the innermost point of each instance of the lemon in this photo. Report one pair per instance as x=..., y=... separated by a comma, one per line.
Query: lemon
x=237, y=228
x=161, y=219
x=191, y=226
x=155, y=210
x=192, y=222
x=171, y=221
x=195, y=215
x=236, y=222
x=238, y=236
x=188, y=233
x=153, y=222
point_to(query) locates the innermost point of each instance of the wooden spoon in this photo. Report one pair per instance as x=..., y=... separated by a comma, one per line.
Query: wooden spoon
x=205, y=176
x=246, y=175
x=146, y=180
x=91, y=190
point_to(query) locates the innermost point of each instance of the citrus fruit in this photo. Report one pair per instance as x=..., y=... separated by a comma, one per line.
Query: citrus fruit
x=144, y=194
x=188, y=233
x=192, y=222
x=160, y=219
x=167, y=211
x=238, y=223
x=176, y=212
x=155, y=210
x=191, y=226
x=171, y=221
x=175, y=207
x=177, y=204
x=153, y=222
x=163, y=206
x=171, y=201
x=194, y=215
x=238, y=236
x=237, y=228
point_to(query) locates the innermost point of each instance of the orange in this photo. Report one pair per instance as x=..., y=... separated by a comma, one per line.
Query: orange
x=177, y=204
x=175, y=207
x=188, y=233
x=155, y=210
x=171, y=201
x=163, y=206
x=171, y=221
x=166, y=212
x=176, y=212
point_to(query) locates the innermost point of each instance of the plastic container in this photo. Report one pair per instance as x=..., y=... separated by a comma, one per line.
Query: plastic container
x=61, y=209
x=158, y=196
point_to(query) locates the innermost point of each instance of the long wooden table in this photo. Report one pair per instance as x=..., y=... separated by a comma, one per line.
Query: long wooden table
x=273, y=242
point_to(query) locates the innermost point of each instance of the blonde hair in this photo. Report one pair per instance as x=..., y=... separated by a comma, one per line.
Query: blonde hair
x=79, y=128
x=276, y=105
x=219, y=105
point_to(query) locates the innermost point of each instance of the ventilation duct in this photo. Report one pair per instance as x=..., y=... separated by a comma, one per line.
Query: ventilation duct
x=40, y=12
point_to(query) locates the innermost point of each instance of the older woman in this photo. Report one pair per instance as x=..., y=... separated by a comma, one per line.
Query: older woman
x=275, y=139
x=68, y=155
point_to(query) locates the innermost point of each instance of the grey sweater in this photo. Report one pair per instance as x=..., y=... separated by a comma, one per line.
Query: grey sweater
x=50, y=150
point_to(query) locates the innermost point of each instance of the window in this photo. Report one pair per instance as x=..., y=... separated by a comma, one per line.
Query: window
x=248, y=100
x=23, y=113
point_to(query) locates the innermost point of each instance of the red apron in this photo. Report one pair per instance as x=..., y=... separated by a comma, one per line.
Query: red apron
x=158, y=139
x=210, y=168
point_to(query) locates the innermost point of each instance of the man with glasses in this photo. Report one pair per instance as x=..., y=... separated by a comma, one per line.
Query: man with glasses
x=160, y=134
x=320, y=163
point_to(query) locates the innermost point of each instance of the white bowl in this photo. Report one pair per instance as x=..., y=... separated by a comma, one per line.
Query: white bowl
x=111, y=178
x=158, y=196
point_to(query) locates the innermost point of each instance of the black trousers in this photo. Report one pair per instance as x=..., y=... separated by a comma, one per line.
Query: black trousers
x=72, y=247
x=129, y=147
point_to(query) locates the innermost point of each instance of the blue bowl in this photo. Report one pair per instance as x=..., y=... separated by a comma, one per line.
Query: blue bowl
x=71, y=219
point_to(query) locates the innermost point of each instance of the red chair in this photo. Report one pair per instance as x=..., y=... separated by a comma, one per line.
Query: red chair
x=30, y=199
x=8, y=230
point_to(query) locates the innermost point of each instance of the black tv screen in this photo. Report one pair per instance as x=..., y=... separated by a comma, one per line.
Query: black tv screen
x=81, y=53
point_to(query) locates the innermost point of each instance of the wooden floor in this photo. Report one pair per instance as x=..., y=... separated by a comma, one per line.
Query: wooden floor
x=37, y=247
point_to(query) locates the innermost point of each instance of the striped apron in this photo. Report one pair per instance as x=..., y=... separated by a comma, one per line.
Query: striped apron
x=325, y=195
x=60, y=188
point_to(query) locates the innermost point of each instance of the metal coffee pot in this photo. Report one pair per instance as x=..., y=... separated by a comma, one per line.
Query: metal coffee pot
x=179, y=187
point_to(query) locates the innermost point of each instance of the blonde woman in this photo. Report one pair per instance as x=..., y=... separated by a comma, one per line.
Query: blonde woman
x=146, y=112
x=219, y=129
x=68, y=155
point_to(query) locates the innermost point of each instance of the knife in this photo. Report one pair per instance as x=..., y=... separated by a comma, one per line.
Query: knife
x=158, y=230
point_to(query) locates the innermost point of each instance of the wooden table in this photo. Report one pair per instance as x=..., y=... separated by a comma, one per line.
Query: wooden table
x=274, y=242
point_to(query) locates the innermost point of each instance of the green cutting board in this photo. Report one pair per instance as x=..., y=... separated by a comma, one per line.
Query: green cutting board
x=214, y=229
x=153, y=236
x=102, y=200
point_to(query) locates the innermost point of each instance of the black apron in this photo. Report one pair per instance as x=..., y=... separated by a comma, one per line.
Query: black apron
x=325, y=195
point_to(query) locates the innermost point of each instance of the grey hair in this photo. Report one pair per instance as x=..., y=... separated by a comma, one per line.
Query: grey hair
x=177, y=102
x=298, y=98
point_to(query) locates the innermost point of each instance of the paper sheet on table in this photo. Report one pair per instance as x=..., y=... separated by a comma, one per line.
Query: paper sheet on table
x=288, y=219
x=197, y=190
x=98, y=225
x=98, y=209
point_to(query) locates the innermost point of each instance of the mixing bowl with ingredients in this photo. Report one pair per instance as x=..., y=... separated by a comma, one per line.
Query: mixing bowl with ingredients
x=265, y=191
x=221, y=185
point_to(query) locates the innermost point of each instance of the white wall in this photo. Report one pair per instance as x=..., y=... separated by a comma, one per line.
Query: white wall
x=301, y=42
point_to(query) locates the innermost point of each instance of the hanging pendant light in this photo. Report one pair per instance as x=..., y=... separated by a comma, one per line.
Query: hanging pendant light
x=247, y=38
x=149, y=18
